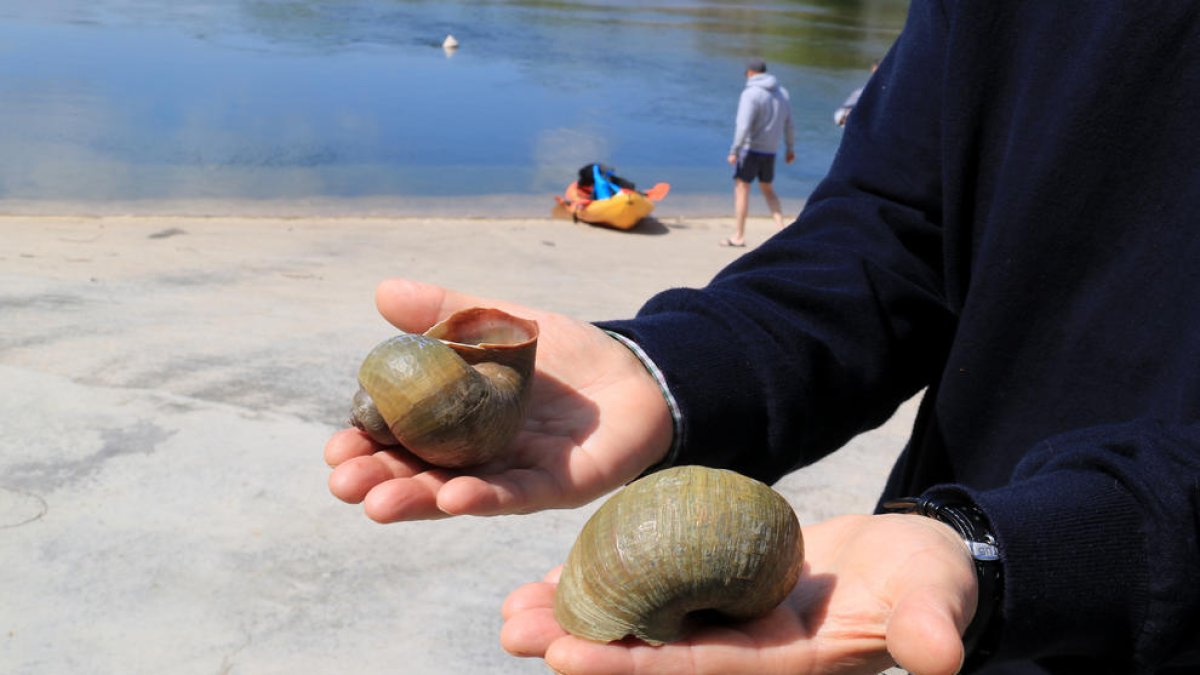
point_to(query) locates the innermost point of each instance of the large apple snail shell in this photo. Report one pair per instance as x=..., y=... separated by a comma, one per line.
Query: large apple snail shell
x=674, y=546
x=455, y=395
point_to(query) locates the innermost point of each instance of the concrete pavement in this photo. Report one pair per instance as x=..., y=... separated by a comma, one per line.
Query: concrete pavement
x=167, y=385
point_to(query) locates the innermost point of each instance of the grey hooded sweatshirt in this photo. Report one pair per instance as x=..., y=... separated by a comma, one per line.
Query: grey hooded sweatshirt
x=764, y=117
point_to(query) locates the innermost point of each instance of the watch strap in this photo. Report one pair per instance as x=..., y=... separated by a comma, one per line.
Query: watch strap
x=960, y=513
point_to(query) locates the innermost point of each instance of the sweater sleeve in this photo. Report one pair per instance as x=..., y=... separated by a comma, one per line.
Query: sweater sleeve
x=1099, y=532
x=743, y=122
x=820, y=333
x=789, y=131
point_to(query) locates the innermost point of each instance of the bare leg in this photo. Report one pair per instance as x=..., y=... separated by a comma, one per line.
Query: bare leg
x=768, y=192
x=741, y=207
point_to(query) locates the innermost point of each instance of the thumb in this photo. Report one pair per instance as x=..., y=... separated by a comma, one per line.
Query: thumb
x=410, y=305
x=923, y=634
x=413, y=306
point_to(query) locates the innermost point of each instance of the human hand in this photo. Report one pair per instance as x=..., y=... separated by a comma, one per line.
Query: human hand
x=791, y=156
x=875, y=590
x=732, y=159
x=596, y=419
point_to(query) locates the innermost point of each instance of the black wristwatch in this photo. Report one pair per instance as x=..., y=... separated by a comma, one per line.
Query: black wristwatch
x=957, y=511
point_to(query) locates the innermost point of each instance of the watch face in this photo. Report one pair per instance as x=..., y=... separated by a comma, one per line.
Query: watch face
x=983, y=551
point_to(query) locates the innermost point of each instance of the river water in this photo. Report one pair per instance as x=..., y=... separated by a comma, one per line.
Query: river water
x=229, y=100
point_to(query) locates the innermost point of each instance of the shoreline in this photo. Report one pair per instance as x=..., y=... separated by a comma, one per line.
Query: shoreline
x=505, y=206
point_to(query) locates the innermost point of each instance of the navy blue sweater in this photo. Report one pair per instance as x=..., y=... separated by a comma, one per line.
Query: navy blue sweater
x=1012, y=223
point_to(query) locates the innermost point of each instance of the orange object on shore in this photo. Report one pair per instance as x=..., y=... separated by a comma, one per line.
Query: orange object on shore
x=621, y=211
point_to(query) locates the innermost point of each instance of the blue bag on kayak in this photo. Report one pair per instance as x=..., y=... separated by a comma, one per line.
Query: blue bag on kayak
x=603, y=187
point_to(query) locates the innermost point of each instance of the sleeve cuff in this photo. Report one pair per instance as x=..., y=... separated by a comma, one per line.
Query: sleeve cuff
x=1056, y=536
x=672, y=405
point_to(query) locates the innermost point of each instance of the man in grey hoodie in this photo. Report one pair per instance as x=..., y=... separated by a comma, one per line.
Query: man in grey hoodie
x=764, y=118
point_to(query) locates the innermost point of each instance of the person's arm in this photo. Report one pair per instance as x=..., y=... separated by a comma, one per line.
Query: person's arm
x=743, y=122
x=820, y=333
x=789, y=136
x=1100, y=533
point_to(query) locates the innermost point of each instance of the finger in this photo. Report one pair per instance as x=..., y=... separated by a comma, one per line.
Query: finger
x=539, y=595
x=529, y=623
x=762, y=647
x=410, y=305
x=923, y=634
x=726, y=652
x=514, y=491
x=405, y=499
x=530, y=632
x=347, y=444
x=574, y=656
x=566, y=480
x=413, y=306
x=354, y=478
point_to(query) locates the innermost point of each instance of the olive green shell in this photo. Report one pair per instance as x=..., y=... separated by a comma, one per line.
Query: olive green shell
x=674, y=546
x=454, y=396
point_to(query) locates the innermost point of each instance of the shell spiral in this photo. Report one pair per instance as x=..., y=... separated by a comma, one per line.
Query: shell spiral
x=674, y=546
x=455, y=395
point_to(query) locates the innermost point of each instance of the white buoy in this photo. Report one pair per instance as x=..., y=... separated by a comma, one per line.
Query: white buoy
x=450, y=42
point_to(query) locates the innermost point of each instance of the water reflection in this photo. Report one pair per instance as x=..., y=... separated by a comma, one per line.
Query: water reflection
x=237, y=99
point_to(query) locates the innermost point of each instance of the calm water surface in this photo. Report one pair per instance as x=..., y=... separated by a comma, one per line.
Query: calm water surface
x=126, y=100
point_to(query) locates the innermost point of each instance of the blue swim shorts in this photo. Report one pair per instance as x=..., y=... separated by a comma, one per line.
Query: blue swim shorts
x=760, y=165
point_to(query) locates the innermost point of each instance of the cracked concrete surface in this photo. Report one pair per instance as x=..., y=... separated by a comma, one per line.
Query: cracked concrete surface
x=167, y=385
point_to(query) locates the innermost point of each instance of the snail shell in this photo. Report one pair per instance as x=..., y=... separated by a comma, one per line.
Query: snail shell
x=454, y=396
x=675, y=546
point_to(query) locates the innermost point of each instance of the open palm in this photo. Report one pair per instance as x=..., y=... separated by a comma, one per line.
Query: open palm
x=876, y=590
x=596, y=419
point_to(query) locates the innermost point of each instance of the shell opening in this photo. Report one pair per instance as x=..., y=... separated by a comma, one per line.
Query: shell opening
x=454, y=396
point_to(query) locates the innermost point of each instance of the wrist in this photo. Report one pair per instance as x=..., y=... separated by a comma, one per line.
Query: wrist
x=958, y=512
x=665, y=441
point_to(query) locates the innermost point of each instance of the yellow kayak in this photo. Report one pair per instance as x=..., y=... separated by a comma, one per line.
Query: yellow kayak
x=621, y=211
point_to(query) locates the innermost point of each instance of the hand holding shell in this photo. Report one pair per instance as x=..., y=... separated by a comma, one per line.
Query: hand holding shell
x=674, y=544
x=454, y=396
x=680, y=542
